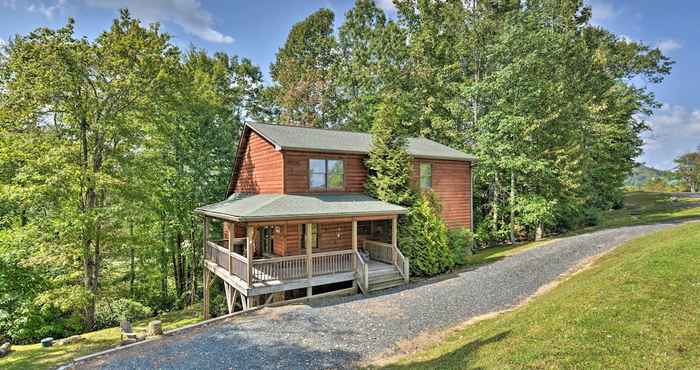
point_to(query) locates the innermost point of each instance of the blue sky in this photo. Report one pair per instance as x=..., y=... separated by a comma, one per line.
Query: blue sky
x=255, y=29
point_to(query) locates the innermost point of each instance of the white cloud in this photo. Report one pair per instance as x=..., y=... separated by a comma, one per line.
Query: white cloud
x=188, y=14
x=49, y=11
x=669, y=45
x=12, y=4
x=675, y=130
x=602, y=12
x=387, y=5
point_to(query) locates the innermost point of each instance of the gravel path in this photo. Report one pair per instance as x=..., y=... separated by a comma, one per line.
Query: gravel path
x=340, y=332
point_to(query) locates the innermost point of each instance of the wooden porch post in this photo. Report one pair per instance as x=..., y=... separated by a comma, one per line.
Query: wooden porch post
x=231, y=229
x=207, y=275
x=354, y=250
x=250, y=245
x=394, y=231
x=309, y=258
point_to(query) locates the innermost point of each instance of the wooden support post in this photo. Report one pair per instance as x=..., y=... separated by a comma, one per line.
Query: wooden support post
x=229, y=296
x=309, y=258
x=205, y=283
x=250, y=245
x=207, y=275
x=354, y=250
x=394, y=231
x=230, y=246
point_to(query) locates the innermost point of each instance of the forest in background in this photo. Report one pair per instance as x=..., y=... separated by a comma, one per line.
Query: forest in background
x=107, y=145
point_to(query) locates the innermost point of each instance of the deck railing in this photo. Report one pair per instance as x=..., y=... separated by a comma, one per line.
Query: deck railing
x=233, y=262
x=279, y=268
x=362, y=273
x=332, y=262
x=286, y=268
x=386, y=252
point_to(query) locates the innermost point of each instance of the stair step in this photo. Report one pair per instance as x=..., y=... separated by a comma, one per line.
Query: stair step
x=385, y=285
x=383, y=278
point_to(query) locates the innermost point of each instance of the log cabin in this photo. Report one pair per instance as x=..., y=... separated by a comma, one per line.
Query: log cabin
x=297, y=222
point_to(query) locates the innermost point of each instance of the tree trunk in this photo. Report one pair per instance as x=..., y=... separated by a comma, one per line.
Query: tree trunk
x=494, y=207
x=163, y=266
x=132, y=261
x=193, y=266
x=512, y=207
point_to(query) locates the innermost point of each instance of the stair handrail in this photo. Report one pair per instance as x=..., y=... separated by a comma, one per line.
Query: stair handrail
x=362, y=273
x=401, y=263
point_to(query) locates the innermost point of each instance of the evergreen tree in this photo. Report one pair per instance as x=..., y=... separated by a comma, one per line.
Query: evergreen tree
x=424, y=239
x=388, y=161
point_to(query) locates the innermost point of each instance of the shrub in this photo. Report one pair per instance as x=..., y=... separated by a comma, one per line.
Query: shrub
x=460, y=242
x=110, y=313
x=424, y=238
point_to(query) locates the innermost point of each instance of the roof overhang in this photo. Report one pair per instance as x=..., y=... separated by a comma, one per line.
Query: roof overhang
x=286, y=207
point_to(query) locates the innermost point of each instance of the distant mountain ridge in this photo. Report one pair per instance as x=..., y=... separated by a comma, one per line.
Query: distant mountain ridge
x=643, y=173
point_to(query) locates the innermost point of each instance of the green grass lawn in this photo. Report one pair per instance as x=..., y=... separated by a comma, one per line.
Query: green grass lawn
x=33, y=356
x=637, y=307
x=639, y=208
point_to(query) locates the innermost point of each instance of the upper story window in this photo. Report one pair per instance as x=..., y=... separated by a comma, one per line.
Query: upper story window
x=326, y=174
x=426, y=176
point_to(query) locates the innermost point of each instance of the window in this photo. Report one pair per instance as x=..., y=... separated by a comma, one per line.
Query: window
x=364, y=227
x=313, y=238
x=426, y=176
x=326, y=174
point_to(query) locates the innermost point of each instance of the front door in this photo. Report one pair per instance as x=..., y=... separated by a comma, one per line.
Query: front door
x=267, y=239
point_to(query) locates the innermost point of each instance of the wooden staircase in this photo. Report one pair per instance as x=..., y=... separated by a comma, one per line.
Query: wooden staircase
x=382, y=266
x=384, y=278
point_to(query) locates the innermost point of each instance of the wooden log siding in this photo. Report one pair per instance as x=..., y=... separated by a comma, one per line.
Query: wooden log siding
x=296, y=171
x=332, y=237
x=260, y=169
x=451, y=184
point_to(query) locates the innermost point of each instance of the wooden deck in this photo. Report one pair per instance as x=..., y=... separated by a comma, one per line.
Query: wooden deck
x=277, y=274
x=256, y=279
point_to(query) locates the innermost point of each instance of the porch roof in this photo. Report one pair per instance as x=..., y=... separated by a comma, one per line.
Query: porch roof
x=245, y=207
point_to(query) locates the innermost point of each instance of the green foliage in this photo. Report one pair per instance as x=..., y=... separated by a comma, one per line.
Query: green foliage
x=106, y=147
x=535, y=211
x=423, y=239
x=388, y=161
x=302, y=72
x=688, y=170
x=110, y=312
x=461, y=242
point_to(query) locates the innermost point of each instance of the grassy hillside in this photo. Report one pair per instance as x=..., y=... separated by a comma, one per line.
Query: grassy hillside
x=637, y=307
x=639, y=208
x=33, y=356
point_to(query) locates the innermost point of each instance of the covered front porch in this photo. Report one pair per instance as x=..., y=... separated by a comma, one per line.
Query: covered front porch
x=324, y=243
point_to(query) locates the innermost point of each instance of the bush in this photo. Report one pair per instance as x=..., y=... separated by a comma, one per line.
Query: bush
x=460, y=242
x=424, y=238
x=110, y=313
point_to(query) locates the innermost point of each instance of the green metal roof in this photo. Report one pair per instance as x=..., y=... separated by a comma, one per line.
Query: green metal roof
x=314, y=139
x=243, y=207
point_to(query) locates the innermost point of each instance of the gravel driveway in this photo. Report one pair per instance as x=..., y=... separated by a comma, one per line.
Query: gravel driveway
x=341, y=332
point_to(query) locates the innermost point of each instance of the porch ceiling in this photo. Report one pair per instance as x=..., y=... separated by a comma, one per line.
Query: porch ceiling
x=244, y=207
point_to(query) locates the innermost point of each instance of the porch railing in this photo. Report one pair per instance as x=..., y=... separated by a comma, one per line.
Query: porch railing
x=386, y=252
x=332, y=262
x=362, y=273
x=279, y=268
x=233, y=262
